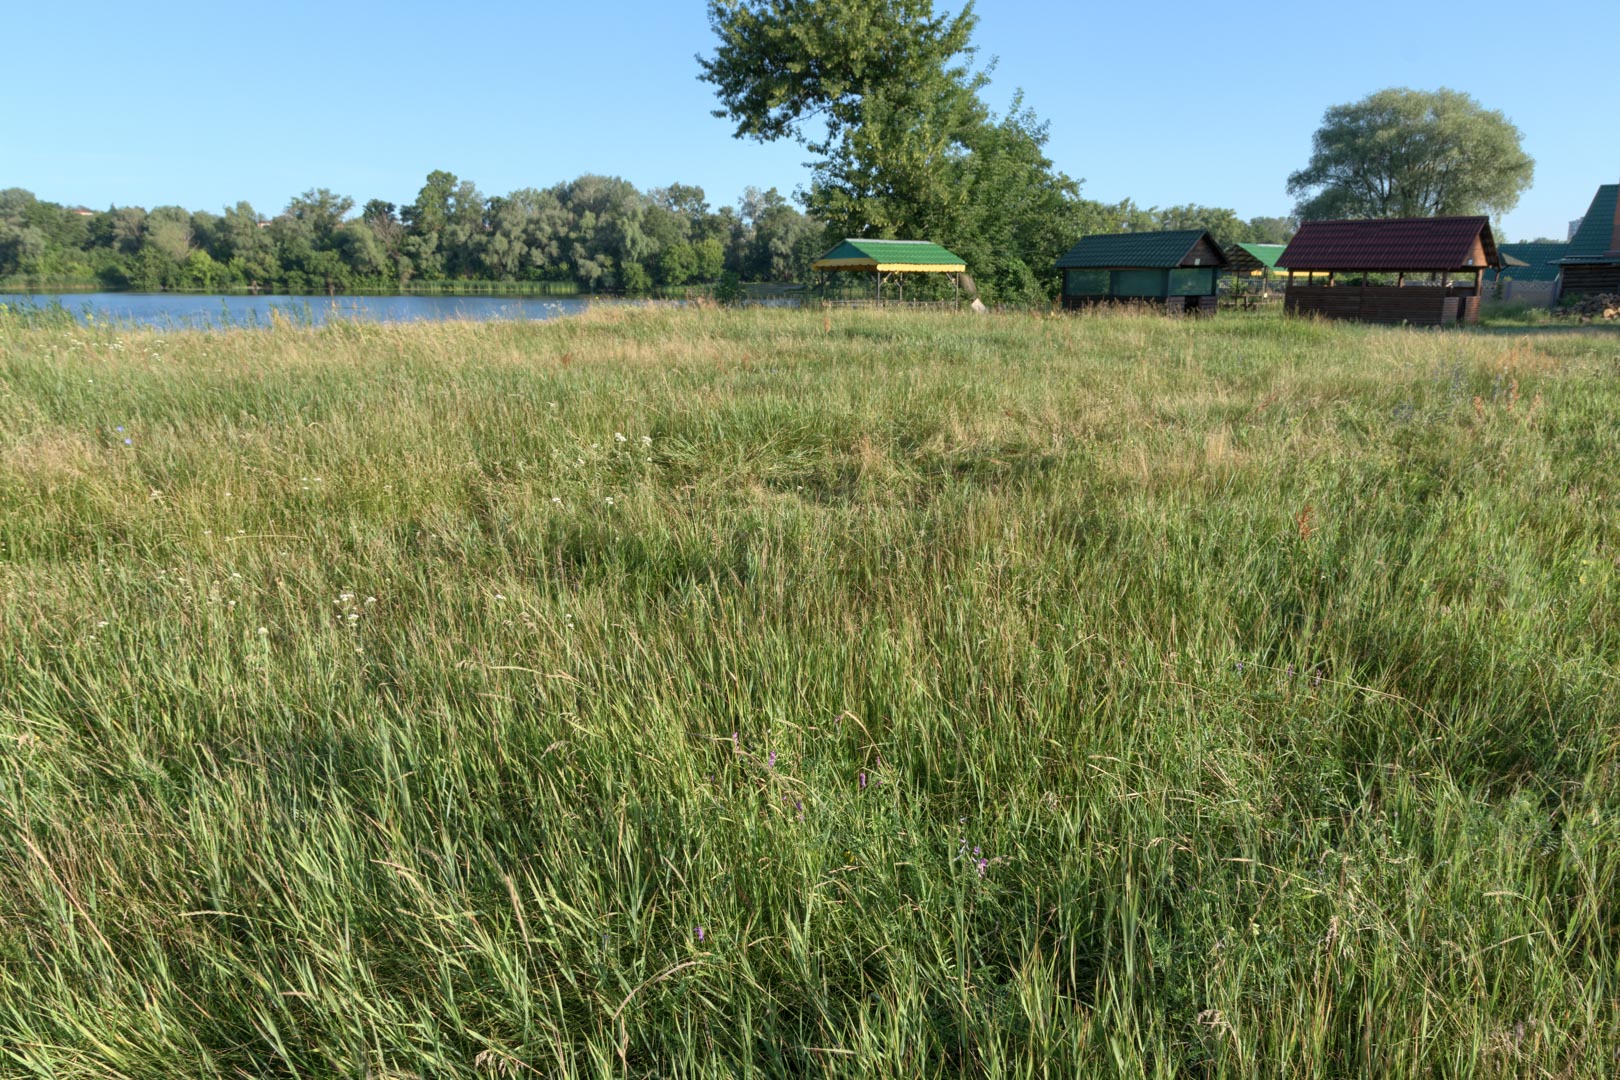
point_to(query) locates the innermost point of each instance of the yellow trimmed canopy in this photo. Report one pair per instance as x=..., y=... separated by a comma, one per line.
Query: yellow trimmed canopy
x=891, y=256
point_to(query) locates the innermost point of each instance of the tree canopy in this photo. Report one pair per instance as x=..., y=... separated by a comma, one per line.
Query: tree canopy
x=600, y=232
x=885, y=94
x=1412, y=153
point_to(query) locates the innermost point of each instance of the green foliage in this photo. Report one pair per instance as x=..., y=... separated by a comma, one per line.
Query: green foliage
x=1412, y=153
x=633, y=278
x=729, y=290
x=1267, y=666
x=592, y=231
x=884, y=93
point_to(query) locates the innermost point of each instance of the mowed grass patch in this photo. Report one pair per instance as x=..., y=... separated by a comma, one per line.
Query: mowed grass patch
x=692, y=692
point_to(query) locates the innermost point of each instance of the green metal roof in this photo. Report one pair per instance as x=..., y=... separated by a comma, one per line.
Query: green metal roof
x=1541, y=262
x=1595, y=239
x=1129, y=251
x=888, y=252
x=1266, y=253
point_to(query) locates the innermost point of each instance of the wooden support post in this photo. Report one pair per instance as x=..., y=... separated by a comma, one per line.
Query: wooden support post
x=1400, y=279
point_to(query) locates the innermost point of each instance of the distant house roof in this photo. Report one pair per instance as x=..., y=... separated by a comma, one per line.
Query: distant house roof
x=1264, y=254
x=1391, y=244
x=1598, y=238
x=1140, y=251
x=1532, y=262
x=888, y=255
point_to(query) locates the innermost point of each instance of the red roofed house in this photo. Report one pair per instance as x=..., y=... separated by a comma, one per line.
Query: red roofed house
x=1434, y=250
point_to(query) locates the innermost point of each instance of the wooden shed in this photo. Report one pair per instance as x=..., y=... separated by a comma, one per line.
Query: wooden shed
x=1592, y=264
x=1422, y=271
x=1173, y=269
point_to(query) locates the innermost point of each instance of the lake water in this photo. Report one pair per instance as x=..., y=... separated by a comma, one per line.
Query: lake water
x=172, y=310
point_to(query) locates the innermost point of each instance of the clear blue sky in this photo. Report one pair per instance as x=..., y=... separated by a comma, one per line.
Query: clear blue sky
x=203, y=104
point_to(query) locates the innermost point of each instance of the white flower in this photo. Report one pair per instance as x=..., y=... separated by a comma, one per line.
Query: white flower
x=556, y=501
x=646, y=440
x=609, y=500
x=263, y=631
x=618, y=436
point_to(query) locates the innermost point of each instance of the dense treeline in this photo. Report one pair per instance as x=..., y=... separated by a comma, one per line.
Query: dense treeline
x=596, y=232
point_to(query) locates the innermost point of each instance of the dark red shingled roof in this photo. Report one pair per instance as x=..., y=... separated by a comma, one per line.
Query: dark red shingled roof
x=1390, y=244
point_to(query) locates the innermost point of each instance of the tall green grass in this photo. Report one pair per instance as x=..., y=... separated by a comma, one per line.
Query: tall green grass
x=762, y=693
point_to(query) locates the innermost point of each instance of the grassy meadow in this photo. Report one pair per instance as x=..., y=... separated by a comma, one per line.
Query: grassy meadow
x=756, y=693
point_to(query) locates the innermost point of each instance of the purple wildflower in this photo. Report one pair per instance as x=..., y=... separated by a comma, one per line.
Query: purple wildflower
x=700, y=934
x=982, y=864
x=975, y=851
x=1290, y=671
x=1240, y=667
x=129, y=442
x=863, y=781
x=734, y=740
x=119, y=429
x=773, y=759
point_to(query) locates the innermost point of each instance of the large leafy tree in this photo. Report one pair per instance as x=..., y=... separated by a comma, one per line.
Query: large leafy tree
x=809, y=69
x=883, y=91
x=1412, y=153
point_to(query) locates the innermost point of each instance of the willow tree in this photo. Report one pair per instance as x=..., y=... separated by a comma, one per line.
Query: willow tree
x=1412, y=153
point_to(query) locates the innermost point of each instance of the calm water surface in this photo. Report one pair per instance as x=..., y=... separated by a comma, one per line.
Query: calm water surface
x=169, y=310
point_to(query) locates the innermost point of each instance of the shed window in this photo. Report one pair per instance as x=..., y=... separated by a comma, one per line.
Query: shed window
x=1139, y=283
x=1085, y=282
x=1196, y=282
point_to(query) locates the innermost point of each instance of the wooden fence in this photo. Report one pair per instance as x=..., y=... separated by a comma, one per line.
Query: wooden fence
x=1416, y=305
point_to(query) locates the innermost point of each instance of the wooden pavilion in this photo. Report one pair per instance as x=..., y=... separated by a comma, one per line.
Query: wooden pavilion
x=1440, y=249
x=889, y=260
x=1174, y=270
x=1592, y=264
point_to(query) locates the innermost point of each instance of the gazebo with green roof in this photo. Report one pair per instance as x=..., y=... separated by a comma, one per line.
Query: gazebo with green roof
x=886, y=260
x=1253, y=266
x=1175, y=270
